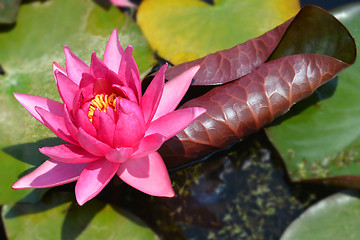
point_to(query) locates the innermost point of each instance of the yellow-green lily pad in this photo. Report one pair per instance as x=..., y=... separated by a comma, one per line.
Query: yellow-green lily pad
x=184, y=30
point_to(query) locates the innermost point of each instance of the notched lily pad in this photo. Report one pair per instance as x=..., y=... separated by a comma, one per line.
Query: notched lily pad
x=184, y=30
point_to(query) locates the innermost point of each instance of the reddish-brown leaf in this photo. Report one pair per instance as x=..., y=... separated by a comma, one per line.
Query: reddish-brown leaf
x=241, y=107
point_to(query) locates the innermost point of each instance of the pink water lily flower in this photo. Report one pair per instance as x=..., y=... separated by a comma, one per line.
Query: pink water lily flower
x=111, y=128
x=123, y=3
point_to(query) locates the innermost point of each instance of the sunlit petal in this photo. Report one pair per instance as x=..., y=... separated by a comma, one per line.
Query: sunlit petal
x=93, y=179
x=106, y=129
x=174, y=91
x=75, y=67
x=68, y=153
x=152, y=95
x=58, y=67
x=67, y=89
x=149, y=144
x=123, y=3
x=174, y=121
x=32, y=101
x=129, y=71
x=50, y=174
x=92, y=145
x=56, y=124
x=147, y=174
x=113, y=52
x=129, y=130
x=119, y=155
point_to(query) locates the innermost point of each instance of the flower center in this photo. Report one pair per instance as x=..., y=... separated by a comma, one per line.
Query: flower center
x=101, y=102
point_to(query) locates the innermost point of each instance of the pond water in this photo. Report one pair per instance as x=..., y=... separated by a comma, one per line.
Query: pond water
x=239, y=193
x=326, y=4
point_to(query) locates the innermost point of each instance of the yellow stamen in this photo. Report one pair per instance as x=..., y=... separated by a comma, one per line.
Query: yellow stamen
x=101, y=102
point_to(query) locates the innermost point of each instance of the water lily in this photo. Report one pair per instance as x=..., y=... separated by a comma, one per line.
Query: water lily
x=111, y=128
x=123, y=3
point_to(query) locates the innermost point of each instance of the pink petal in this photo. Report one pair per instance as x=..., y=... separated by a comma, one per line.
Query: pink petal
x=130, y=108
x=68, y=153
x=152, y=95
x=119, y=155
x=75, y=67
x=102, y=86
x=106, y=129
x=174, y=122
x=87, y=79
x=113, y=52
x=123, y=3
x=130, y=127
x=97, y=67
x=114, y=79
x=149, y=144
x=129, y=131
x=82, y=121
x=92, y=145
x=111, y=113
x=70, y=126
x=147, y=174
x=87, y=86
x=67, y=89
x=57, y=67
x=93, y=179
x=129, y=71
x=174, y=91
x=32, y=101
x=56, y=124
x=79, y=101
x=50, y=174
x=85, y=108
x=125, y=92
x=96, y=119
x=135, y=80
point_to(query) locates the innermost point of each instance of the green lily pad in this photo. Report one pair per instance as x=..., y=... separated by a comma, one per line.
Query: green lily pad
x=336, y=217
x=319, y=139
x=27, y=52
x=184, y=30
x=8, y=11
x=59, y=217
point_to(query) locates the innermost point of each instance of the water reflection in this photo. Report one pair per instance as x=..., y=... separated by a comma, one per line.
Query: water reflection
x=242, y=193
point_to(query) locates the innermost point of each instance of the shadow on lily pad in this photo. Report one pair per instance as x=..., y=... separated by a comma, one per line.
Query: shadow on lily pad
x=78, y=218
x=58, y=216
x=75, y=218
x=29, y=152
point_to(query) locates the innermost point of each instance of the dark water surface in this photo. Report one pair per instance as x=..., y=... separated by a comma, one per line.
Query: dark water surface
x=239, y=193
x=326, y=4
